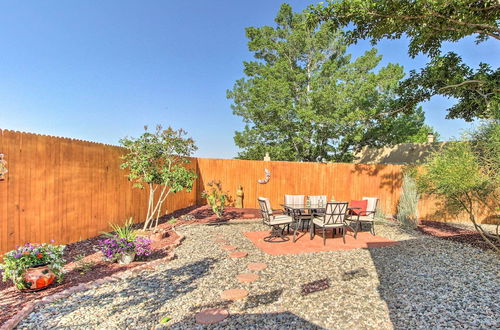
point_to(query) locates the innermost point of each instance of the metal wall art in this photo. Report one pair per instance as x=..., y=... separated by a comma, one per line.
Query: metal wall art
x=268, y=177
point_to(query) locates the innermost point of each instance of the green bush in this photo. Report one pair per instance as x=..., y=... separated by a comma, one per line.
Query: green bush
x=466, y=175
x=216, y=198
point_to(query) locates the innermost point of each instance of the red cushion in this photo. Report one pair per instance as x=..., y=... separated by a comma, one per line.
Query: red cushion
x=362, y=206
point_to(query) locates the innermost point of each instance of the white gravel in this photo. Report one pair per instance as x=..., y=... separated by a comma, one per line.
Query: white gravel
x=423, y=282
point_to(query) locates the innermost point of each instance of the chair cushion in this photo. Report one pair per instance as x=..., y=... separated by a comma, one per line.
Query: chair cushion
x=319, y=222
x=361, y=204
x=281, y=220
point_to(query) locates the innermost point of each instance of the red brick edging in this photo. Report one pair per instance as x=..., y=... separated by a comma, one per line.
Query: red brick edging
x=31, y=306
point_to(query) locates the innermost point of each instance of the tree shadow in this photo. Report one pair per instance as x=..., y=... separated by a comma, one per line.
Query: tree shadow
x=433, y=295
x=392, y=180
x=147, y=289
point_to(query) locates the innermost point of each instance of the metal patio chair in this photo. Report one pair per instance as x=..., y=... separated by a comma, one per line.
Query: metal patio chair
x=334, y=218
x=364, y=217
x=274, y=221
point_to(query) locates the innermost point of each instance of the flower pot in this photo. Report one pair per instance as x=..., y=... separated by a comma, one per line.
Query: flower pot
x=126, y=258
x=38, y=277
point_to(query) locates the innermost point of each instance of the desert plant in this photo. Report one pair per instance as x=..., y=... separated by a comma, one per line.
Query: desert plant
x=158, y=160
x=126, y=231
x=408, y=202
x=83, y=266
x=216, y=197
x=466, y=175
x=17, y=261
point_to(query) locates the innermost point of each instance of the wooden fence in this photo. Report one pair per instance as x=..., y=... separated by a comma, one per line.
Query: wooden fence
x=68, y=190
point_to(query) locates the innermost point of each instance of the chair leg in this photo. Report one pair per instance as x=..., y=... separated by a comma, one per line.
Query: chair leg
x=311, y=229
x=324, y=237
x=343, y=233
x=372, y=229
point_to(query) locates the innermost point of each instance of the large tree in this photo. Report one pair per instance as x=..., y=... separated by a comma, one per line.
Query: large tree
x=427, y=24
x=305, y=99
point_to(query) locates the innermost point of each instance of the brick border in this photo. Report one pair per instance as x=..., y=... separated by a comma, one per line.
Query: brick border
x=31, y=306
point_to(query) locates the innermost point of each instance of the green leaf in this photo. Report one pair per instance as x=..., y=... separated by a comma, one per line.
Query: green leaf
x=165, y=319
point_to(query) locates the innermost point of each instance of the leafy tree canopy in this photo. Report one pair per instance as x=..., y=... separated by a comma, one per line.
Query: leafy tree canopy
x=427, y=24
x=158, y=160
x=305, y=99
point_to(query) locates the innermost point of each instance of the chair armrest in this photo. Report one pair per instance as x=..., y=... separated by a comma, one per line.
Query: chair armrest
x=278, y=211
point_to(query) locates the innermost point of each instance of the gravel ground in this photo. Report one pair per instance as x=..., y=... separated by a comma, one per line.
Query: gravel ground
x=423, y=282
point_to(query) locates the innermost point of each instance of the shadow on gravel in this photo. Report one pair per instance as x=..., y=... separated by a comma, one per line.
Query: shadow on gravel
x=150, y=290
x=425, y=286
x=284, y=320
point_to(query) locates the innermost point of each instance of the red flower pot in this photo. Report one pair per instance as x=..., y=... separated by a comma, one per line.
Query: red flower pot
x=39, y=277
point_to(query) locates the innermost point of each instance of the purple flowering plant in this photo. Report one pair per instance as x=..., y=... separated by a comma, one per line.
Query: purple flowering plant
x=124, y=240
x=16, y=262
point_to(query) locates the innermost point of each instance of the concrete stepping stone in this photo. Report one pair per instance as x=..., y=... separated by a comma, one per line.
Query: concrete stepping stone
x=238, y=254
x=257, y=266
x=247, y=277
x=211, y=316
x=229, y=247
x=234, y=294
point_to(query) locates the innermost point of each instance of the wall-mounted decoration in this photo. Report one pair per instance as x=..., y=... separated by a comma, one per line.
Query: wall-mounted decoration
x=3, y=167
x=268, y=177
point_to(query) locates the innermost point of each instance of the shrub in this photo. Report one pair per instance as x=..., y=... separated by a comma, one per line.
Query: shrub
x=466, y=175
x=216, y=198
x=17, y=261
x=408, y=202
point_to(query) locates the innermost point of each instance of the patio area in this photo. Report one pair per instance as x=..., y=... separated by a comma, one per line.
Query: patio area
x=421, y=282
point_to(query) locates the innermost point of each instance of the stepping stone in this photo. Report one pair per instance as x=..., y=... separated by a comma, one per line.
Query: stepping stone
x=234, y=294
x=238, y=254
x=229, y=247
x=221, y=241
x=211, y=316
x=247, y=277
x=257, y=266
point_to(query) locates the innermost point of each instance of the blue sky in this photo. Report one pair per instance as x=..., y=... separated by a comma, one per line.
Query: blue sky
x=101, y=70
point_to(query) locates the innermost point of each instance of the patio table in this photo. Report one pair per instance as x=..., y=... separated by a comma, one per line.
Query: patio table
x=298, y=210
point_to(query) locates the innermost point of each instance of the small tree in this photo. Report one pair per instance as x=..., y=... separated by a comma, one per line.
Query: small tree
x=158, y=160
x=466, y=175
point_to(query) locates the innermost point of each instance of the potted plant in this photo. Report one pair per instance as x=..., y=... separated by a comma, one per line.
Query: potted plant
x=34, y=266
x=124, y=244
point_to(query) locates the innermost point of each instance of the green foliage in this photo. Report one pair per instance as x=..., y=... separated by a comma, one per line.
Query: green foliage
x=165, y=319
x=126, y=231
x=216, y=197
x=83, y=266
x=158, y=159
x=16, y=262
x=427, y=24
x=467, y=174
x=305, y=99
x=408, y=202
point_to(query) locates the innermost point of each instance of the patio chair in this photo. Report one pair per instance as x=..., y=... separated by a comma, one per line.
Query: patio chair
x=301, y=217
x=334, y=218
x=364, y=216
x=274, y=221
